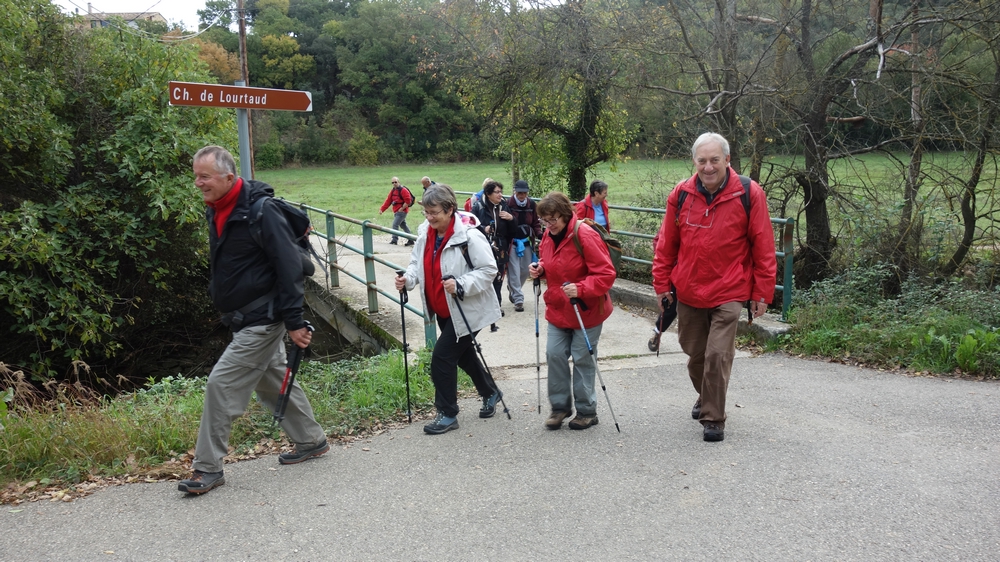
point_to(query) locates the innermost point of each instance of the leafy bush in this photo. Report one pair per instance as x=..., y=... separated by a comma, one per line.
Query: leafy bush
x=104, y=247
x=270, y=156
x=940, y=327
x=362, y=149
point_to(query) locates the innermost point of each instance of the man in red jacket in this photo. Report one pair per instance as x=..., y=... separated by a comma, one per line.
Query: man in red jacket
x=718, y=253
x=401, y=200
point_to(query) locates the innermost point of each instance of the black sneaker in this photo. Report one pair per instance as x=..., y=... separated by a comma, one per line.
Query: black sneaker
x=714, y=432
x=696, y=410
x=408, y=243
x=494, y=327
x=441, y=424
x=393, y=242
x=304, y=454
x=201, y=482
x=490, y=405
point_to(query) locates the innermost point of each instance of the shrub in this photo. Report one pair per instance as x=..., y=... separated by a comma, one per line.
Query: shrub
x=270, y=156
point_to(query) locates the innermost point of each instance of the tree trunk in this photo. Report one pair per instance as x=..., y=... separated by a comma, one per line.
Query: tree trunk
x=969, y=196
x=812, y=261
x=908, y=237
x=579, y=143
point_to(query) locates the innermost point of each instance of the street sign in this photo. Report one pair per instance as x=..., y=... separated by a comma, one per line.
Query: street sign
x=242, y=97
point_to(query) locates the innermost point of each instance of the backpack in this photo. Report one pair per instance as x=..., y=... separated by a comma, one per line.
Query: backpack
x=413, y=199
x=745, y=198
x=614, y=246
x=298, y=222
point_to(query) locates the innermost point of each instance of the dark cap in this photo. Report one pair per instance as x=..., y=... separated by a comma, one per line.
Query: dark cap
x=520, y=186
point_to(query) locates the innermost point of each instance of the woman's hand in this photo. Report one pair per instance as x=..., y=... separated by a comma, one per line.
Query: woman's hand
x=450, y=286
x=535, y=270
x=570, y=290
x=506, y=216
x=400, y=282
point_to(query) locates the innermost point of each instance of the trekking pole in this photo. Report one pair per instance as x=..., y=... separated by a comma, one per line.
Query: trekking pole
x=479, y=349
x=577, y=303
x=537, y=283
x=292, y=367
x=403, y=299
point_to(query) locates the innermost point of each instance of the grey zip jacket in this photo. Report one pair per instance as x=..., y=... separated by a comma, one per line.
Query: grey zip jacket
x=480, y=300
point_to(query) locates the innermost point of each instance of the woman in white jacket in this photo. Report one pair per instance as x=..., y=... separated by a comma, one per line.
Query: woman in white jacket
x=453, y=260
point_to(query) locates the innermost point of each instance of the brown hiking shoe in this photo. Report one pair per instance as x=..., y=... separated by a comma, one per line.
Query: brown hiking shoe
x=201, y=482
x=583, y=422
x=555, y=419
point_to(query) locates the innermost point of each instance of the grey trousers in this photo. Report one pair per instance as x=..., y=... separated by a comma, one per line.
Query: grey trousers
x=253, y=361
x=399, y=223
x=517, y=273
x=563, y=344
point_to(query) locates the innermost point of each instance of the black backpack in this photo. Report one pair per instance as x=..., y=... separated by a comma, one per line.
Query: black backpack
x=299, y=228
x=413, y=199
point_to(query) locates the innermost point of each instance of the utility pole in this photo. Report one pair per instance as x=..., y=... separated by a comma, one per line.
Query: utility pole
x=245, y=76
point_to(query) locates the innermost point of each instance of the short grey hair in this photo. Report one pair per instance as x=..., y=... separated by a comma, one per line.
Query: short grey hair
x=440, y=195
x=224, y=162
x=710, y=137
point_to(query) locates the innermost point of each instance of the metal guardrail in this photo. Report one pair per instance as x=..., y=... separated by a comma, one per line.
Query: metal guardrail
x=430, y=330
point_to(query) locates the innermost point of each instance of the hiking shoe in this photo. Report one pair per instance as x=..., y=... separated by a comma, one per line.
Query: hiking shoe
x=494, y=327
x=714, y=432
x=654, y=342
x=490, y=405
x=393, y=242
x=201, y=482
x=583, y=422
x=696, y=410
x=441, y=424
x=304, y=454
x=519, y=307
x=408, y=243
x=555, y=419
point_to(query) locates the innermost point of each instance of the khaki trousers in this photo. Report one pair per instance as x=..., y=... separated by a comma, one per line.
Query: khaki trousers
x=708, y=337
x=253, y=361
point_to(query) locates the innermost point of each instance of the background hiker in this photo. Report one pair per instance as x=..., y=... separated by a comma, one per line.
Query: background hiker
x=595, y=205
x=426, y=182
x=446, y=246
x=717, y=254
x=570, y=273
x=499, y=225
x=401, y=200
x=265, y=286
x=528, y=230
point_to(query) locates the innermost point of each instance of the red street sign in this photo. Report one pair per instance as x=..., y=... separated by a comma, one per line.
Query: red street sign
x=217, y=95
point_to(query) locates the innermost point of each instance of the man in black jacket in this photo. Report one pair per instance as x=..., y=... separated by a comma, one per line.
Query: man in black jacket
x=500, y=226
x=259, y=289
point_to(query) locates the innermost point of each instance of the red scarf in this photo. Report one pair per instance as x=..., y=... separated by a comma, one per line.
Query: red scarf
x=223, y=207
x=437, y=300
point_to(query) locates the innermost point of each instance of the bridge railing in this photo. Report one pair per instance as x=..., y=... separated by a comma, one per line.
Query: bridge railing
x=367, y=251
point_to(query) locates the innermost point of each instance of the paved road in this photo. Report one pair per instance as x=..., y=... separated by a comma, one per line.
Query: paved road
x=820, y=462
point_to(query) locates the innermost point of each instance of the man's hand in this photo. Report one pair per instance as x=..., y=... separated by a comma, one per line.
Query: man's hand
x=301, y=337
x=758, y=308
x=660, y=297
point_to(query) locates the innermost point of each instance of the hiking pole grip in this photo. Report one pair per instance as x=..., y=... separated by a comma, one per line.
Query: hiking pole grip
x=291, y=369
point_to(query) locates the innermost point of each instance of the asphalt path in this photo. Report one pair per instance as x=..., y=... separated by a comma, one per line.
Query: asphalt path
x=821, y=461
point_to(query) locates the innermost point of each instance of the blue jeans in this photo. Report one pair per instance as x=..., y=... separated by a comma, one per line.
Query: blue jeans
x=563, y=344
x=399, y=220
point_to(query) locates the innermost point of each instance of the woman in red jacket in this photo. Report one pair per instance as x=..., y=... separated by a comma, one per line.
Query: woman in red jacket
x=595, y=205
x=571, y=272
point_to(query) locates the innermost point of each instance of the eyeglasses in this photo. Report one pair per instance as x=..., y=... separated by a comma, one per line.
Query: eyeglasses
x=433, y=214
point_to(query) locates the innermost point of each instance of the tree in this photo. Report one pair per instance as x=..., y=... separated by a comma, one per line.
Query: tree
x=104, y=250
x=548, y=77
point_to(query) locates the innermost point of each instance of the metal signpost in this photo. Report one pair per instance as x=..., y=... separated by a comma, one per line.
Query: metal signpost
x=242, y=98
